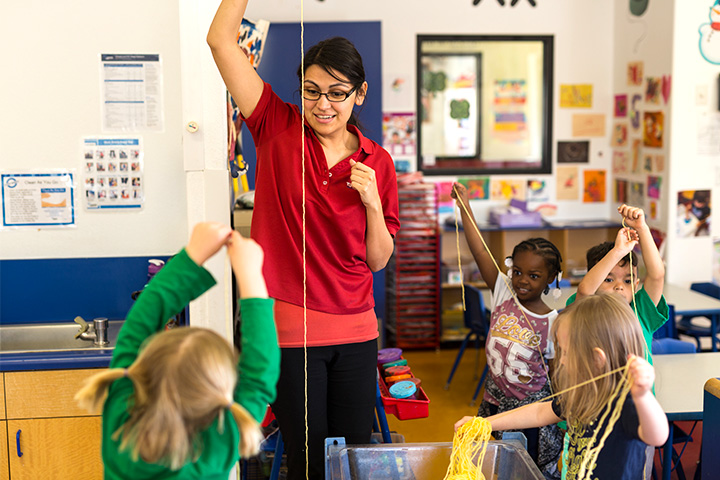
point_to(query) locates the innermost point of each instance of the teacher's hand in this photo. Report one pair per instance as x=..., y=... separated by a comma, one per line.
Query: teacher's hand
x=362, y=179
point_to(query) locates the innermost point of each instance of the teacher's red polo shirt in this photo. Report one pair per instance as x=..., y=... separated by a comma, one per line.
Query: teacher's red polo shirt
x=338, y=279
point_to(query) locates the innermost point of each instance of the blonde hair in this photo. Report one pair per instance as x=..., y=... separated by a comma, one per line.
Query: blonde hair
x=184, y=378
x=603, y=321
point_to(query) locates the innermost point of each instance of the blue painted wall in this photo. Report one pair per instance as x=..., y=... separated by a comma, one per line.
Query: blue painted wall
x=57, y=290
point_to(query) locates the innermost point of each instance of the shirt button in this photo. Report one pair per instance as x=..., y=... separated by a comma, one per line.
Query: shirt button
x=330, y=174
x=325, y=182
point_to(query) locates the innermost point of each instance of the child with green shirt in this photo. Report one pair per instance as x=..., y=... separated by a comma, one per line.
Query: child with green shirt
x=180, y=403
x=611, y=271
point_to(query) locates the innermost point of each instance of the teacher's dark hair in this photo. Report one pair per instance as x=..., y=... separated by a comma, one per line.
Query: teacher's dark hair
x=337, y=55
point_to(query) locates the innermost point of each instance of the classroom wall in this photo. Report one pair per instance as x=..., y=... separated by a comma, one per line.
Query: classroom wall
x=583, y=54
x=695, y=114
x=50, y=97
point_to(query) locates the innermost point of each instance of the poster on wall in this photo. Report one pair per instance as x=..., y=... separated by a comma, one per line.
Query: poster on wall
x=399, y=133
x=38, y=199
x=507, y=189
x=653, y=128
x=132, y=92
x=576, y=96
x=113, y=172
x=568, y=183
x=588, y=125
x=693, y=213
x=593, y=186
x=477, y=188
x=573, y=152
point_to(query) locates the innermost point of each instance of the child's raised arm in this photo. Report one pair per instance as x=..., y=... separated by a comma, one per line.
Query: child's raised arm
x=533, y=415
x=484, y=261
x=654, y=281
x=625, y=241
x=246, y=258
x=653, y=428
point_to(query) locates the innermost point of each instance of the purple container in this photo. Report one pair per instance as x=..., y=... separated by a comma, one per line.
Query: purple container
x=388, y=355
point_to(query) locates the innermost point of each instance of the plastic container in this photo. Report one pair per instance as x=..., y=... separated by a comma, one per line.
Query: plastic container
x=387, y=355
x=424, y=461
x=404, y=408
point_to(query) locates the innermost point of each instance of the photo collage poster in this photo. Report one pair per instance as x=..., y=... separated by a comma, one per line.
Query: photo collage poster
x=113, y=172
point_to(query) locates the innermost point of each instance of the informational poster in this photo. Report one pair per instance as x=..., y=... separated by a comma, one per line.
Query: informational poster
x=113, y=172
x=132, y=92
x=38, y=199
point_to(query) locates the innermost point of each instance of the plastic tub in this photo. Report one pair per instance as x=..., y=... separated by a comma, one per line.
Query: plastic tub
x=423, y=461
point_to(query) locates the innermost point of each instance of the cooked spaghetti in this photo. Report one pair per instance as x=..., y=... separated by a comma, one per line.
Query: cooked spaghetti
x=468, y=450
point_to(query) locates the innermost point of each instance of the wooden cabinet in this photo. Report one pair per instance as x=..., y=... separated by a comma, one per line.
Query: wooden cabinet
x=57, y=439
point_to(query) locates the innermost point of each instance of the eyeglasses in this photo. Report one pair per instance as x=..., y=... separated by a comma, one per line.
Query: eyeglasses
x=332, y=96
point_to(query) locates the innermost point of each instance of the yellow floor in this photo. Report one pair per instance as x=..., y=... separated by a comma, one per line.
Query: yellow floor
x=446, y=406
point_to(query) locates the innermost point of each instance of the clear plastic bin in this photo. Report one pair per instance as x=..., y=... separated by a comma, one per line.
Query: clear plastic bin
x=423, y=461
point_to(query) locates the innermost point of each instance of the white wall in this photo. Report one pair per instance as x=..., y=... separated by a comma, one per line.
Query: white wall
x=583, y=54
x=690, y=259
x=50, y=97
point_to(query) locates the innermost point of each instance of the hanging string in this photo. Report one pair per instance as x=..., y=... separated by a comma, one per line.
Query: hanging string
x=457, y=243
x=504, y=278
x=304, y=251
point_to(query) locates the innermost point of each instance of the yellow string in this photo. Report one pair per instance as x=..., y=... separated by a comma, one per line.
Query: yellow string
x=468, y=451
x=504, y=278
x=457, y=243
x=632, y=283
x=304, y=252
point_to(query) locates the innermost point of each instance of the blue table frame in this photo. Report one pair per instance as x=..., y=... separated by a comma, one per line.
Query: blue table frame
x=694, y=304
x=679, y=387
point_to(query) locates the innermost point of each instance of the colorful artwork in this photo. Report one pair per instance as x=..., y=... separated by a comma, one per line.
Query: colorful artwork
x=635, y=73
x=620, y=135
x=653, y=189
x=653, y=127
x=659, y=163
x=620, y=162
x=573, y=152
x=654, y=210
x=665, y=89
x=635, y=111
x=251, y=38
x=445, y=202
x=568, y=184
x=621, y=191
x=652, y=90
x=509, y=104
x=647, y=163
x=636, y=195
x=693, y=213
x=588, y=125
x=636, y=151
x=477, y=188
x=621, y=106
x=576, y=96
x=537, y=191
x=593, y=186
x=709, y=43
x=399, y=133
x=505, y=189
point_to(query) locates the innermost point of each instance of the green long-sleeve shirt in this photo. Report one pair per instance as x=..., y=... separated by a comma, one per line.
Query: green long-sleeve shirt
x=179, y=282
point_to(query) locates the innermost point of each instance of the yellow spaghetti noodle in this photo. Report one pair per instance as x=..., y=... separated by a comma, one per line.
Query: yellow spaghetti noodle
x=468, y=451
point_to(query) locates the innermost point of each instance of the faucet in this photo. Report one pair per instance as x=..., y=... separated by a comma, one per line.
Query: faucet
x=97, y=331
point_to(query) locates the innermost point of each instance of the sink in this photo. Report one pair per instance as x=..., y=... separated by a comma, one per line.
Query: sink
x=51, y=337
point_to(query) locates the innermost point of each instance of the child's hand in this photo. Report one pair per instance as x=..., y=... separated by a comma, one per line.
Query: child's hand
x=462, y=422
x=626, y=240
x=206, y=239
x=459, y=193
x=246, y=258
x=634, y=217
x=642, y=376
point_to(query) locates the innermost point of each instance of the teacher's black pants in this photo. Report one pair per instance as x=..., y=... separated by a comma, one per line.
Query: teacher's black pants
x=341, y=401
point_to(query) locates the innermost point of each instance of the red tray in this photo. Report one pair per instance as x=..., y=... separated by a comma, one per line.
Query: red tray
x=404, y=408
